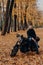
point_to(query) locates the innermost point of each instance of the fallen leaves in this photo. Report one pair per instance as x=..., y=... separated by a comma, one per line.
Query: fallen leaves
x=6, y=44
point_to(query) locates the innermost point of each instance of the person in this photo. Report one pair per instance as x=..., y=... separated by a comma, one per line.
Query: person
x=33, y=37
x=31, y=32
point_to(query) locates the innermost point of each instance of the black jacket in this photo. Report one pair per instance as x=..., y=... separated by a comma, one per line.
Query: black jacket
x=31, y=33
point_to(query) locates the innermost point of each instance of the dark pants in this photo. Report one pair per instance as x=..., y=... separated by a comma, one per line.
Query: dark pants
x=33, y=46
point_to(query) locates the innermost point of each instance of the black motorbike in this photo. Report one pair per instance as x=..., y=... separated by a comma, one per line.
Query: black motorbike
x=25, y=45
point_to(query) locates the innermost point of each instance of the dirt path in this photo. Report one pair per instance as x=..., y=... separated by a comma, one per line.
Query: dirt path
x=6, y=44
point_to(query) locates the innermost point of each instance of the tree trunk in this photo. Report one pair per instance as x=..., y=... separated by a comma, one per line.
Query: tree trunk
x=18, y=26
x=25, y=23
x=21, y=24
x=10, y=14
x=15, y=19
x=7, y=17
x=9, y=24
x=2, y=10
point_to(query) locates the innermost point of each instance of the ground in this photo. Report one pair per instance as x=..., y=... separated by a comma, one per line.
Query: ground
x=8, y=41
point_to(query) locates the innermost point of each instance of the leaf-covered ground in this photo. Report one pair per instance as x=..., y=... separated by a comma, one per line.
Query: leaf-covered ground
x=8, y=41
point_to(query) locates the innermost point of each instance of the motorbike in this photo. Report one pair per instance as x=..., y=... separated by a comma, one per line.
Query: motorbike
x=24, y=45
